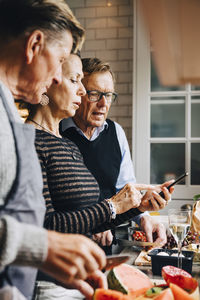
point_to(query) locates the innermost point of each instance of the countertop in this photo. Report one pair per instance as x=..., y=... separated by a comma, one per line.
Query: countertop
x=122, y=233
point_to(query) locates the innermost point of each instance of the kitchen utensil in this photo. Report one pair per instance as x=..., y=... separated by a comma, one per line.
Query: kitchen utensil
x=115, y=260
x=127, y=243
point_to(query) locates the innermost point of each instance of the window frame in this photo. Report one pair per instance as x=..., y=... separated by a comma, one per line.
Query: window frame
x=142, y=94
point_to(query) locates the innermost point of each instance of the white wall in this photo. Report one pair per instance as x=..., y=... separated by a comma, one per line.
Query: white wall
x=109, y=36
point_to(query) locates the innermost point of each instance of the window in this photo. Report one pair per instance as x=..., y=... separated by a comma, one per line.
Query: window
x=166, y=126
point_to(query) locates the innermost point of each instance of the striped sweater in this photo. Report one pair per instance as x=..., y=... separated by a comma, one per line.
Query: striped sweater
x=70, y=190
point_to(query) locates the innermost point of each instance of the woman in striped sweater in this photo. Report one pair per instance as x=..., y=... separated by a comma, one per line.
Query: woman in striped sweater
x=70, y=190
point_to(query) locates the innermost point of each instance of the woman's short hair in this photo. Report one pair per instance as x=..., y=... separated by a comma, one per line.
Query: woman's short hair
x=21, y=17
x=94, y=65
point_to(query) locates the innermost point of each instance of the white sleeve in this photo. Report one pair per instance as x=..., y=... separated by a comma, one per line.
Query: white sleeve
x=126, y=173
x=22, y=244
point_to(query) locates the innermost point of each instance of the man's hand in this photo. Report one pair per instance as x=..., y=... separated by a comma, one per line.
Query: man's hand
x=71, y=257
x=103, y=238
x=152, y=201
x=153, y=228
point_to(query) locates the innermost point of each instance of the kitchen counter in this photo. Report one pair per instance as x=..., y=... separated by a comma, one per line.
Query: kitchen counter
x=147, y=269
x=122, y=233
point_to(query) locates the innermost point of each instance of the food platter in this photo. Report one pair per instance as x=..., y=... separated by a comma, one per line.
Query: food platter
x=142, y=259
x=127, y=243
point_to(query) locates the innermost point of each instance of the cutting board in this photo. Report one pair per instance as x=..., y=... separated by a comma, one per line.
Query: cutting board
x=141, y=260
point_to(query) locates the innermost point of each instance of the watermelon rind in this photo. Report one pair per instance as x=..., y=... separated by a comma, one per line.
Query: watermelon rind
x=154, y=291
x=114, y=283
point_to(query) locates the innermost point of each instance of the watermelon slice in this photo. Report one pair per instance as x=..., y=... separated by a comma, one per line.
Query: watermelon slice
x=195, y=294
x=179, y=293
x=128, y=279
x=102, y=294
x=165, y=295
x=137, y=292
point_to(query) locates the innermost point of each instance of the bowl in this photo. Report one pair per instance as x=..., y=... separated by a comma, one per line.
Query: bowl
x=159, y=261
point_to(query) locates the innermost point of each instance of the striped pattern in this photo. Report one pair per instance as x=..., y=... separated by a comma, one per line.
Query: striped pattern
x=71, y=192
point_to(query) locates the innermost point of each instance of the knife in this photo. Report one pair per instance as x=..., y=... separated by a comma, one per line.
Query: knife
x=115, y=260
x=134, y=243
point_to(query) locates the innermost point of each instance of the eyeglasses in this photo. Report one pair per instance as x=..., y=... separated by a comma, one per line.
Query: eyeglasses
x=95, y=96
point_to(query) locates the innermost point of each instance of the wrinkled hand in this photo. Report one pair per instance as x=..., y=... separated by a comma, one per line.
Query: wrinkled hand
x=153, y=201
x=72, y=256
x=87, y=288
x=153, y=229
x=103, y=238
x=129, y=197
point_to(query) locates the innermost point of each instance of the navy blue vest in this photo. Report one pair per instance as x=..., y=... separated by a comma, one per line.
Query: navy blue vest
x=101, y=156
x=25, y=201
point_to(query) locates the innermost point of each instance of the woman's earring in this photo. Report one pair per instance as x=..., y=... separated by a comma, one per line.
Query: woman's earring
x=45, y=100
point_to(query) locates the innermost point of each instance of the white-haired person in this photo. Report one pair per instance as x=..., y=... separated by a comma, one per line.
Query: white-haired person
x=36, y=37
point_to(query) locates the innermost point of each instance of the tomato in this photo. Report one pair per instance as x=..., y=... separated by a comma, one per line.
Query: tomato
x=139, y=236
x=179, y=277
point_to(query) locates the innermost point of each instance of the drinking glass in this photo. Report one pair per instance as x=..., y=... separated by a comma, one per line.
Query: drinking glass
x=179, y=225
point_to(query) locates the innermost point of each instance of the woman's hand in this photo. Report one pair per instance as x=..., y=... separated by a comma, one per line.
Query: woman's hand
x=152, y=201
x=87, y=287
x=103, y=238
x=75, y=261
x=129, y=197
x=72, y=256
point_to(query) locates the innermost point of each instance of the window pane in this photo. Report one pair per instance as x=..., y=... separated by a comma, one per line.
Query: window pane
x=195, y=113
x=168, y=117
x=195, y=87
x=195, y=163
x=156, y=85
x=167, y=161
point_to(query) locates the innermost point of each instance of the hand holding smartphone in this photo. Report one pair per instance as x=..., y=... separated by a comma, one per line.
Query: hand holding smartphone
x=175, y=182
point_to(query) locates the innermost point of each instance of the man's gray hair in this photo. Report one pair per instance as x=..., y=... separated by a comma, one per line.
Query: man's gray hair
x=21, y=17
x=94, y=65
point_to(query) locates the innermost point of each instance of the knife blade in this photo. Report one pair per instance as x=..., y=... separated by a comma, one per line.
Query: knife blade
x=128, y=243
x=115, y=260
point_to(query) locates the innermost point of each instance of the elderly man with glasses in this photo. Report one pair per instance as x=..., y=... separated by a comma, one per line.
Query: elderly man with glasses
x=103, y=143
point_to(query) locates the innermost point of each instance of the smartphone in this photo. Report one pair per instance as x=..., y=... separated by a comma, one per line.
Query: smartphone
x=175, y=182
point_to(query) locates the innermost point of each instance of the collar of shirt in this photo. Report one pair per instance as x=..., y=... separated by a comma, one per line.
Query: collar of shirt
x=67, y=123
